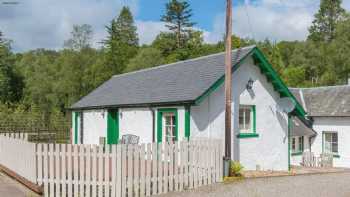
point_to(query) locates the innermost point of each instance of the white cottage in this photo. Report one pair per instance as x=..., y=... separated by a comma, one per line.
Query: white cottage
x=329, y=111
x=185, y=100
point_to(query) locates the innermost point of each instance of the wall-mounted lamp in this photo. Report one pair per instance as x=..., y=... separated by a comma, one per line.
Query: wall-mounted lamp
x=250, y=84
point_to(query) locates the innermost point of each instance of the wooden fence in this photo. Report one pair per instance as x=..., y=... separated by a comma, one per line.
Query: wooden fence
x=18, y=155
x=115, y=170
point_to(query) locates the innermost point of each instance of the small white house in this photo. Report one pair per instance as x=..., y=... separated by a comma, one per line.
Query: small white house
x=185, y=100
x=328, y=109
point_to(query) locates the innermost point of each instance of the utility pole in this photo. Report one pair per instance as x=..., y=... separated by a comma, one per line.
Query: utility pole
x=228, y=81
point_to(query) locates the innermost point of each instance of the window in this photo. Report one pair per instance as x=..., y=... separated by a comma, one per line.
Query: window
x=246, y=119
x=301, y=143
x=169, y=126
x=297, y=145
x=294, y=145
x=330, y=142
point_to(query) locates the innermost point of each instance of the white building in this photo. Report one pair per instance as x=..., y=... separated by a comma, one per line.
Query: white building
x=186, y=100
x=328, y=108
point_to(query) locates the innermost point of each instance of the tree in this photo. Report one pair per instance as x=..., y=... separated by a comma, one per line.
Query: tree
x=178, y=20
x=326, y=19
x=81, y=37
x=122, y=41
x=11, y=84
x=147, y=57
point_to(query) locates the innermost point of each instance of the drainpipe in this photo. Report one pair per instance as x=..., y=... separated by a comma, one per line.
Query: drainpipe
x=153, y=124
x=289, y=131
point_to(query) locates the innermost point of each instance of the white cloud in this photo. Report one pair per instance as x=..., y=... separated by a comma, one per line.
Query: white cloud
x=46, y=24
x=148, y=30
x=273, y=19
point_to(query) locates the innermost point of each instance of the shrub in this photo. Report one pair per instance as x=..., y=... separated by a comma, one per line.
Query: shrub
x=235, y=168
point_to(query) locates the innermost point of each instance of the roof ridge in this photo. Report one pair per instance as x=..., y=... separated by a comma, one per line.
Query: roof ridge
x=320, y=87
x=184, y=61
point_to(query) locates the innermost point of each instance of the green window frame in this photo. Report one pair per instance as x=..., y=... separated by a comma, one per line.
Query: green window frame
x=334, y=142
x=113, y=126
x=297, y=145
x=160, y=113
x=251, y=132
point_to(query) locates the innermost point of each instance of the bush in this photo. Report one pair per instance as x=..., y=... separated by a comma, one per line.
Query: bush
x=235, y=168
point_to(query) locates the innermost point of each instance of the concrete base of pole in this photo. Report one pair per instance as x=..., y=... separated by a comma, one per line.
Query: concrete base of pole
x=226, y=166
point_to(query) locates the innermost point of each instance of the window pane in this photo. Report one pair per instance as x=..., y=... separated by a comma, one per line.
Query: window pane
x=334, y=137
x=328, y=137
x=247, y=119
x=334, y=148
x=241, y=119
x=327, y=147
x=293, y=145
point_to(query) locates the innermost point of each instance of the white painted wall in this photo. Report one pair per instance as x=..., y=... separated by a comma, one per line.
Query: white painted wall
x=340, y=125
x=136, y=121
x=270, y=149
x=95, y=126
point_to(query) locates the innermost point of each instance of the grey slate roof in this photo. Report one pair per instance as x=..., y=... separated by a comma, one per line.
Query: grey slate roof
x=324, y=101
x=173, y=83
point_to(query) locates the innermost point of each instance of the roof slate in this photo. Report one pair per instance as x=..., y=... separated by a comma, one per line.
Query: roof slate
x=173, y=83
x=325, y=101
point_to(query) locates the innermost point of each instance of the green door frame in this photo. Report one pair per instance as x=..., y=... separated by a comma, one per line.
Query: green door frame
x=113, y=126
x=160, y=122
x=76, y=116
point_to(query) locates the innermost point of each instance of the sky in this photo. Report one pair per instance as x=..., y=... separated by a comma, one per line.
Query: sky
x=33, y=24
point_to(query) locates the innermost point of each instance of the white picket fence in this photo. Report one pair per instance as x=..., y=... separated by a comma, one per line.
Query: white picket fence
x=18, y=155
x=116, y=170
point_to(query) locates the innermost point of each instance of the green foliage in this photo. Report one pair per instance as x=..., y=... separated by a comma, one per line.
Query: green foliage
x=236, y=168
x=147, y=57
x=326, y=19
x=178, y=20
x=81, y=37
x=122, y=41
x=11, y=84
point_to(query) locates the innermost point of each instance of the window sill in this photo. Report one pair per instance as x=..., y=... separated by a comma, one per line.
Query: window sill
x=297, y=153
x=336, y=156
x=247, y=135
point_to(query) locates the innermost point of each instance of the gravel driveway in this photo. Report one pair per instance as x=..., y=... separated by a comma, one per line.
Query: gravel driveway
x=321, y=185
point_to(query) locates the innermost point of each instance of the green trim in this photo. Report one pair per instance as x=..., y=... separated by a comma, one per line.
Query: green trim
x=160, y=122
x=76, y=126
x=266, y=69
x=113, y=126
x=247, y=135
x=253, y=129
x=220, y=81
x=254, y=118
x=297, y=153
x=336, y=156
x=187, y=122
x=289, y=132
x=278, y=84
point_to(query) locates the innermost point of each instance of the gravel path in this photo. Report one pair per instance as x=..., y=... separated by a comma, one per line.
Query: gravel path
x=11, y=188
x=322, y=185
